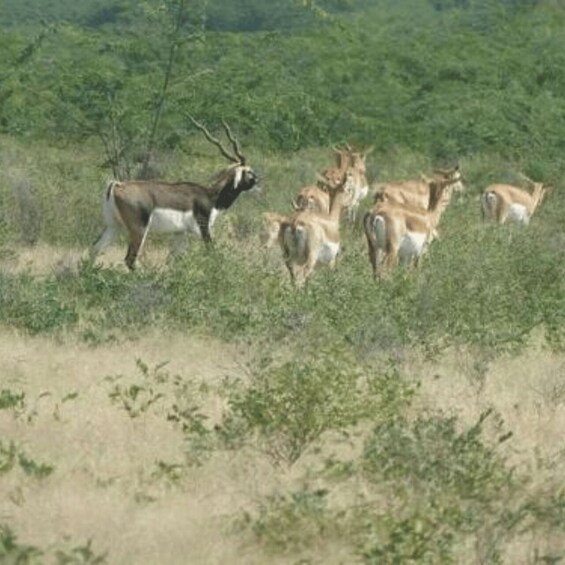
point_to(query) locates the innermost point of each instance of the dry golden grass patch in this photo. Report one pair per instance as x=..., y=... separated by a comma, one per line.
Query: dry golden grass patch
x=527, y=390
x=44, y=259
x=105, y=486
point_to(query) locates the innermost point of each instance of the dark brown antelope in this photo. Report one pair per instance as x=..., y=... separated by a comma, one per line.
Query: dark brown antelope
x=182, y=207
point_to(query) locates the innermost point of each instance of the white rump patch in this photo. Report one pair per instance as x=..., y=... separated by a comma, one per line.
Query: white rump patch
x=363, y=192
x=327, y=252
x=412, y=246
x=519, y=214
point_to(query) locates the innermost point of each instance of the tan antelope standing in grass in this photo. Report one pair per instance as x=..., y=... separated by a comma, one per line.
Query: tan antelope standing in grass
x=271, y=226
x=361, y=191
x=315, y=198
x=506, y=203
x=318, y=197
x=400, y=233
x=417, y=192
x=140, y=206
x=348, y=158
x=308, y=238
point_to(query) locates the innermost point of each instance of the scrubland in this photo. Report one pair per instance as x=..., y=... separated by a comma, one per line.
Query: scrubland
x=201, y=410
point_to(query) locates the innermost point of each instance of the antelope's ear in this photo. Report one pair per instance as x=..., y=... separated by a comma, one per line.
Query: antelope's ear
x=526, y=178
x=322, y=179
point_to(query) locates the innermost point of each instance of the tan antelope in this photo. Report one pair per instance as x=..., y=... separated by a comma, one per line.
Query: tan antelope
x=308, y=238
x=354, y=160
x=272, y=222
x=318, y=197
x=358, y=164
x=140, y=206
x=506, y=203
x=342, y=160
x=313, y=197
x=417, y=192
x=400, y=233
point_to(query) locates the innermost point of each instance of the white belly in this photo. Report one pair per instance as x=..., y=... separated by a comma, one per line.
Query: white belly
x=169, y=221
x=412, y=246
x=518, y=213
x=327, y=252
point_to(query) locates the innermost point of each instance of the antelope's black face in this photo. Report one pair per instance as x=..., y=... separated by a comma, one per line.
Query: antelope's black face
x=245, y=178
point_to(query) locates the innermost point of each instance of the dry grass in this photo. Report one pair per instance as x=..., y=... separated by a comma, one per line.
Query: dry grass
x=104, y=487
x=526, y=390
x=45, y=259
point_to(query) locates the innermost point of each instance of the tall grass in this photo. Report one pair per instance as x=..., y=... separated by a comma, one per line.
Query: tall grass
x=480, y=284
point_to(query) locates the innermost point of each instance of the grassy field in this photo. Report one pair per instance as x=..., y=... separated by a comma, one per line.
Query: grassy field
x=202, y=410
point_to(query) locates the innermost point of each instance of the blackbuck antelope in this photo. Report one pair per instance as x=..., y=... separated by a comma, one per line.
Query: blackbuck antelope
x=312, y=197
x=342, y=160
x=400, y=233
x=308, y=238
x=417, y=192
x=358, y=164
x=355, y=161
x=505, y=203
x=318, y=197
x=182, y=207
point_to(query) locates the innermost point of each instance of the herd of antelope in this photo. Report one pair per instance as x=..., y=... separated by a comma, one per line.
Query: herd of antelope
x=399, y=227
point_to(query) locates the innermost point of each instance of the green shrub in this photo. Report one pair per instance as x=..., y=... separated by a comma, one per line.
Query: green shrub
x=288, y=407
x=11, y=551
x=11, y=455
x=9, y=399
x=293, y=522
x=490, y=286
x=443, y=486
x=177, y=398
x=36, y=305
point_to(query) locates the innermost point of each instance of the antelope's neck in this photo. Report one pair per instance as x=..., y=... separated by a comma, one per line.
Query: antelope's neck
x=337, y=206
x=226, y=195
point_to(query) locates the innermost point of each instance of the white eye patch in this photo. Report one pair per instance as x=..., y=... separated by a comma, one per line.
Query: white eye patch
x=238, y=174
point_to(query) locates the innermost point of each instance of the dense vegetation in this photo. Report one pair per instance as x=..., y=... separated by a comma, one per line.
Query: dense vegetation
x=446, y=78
x=90, y=89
